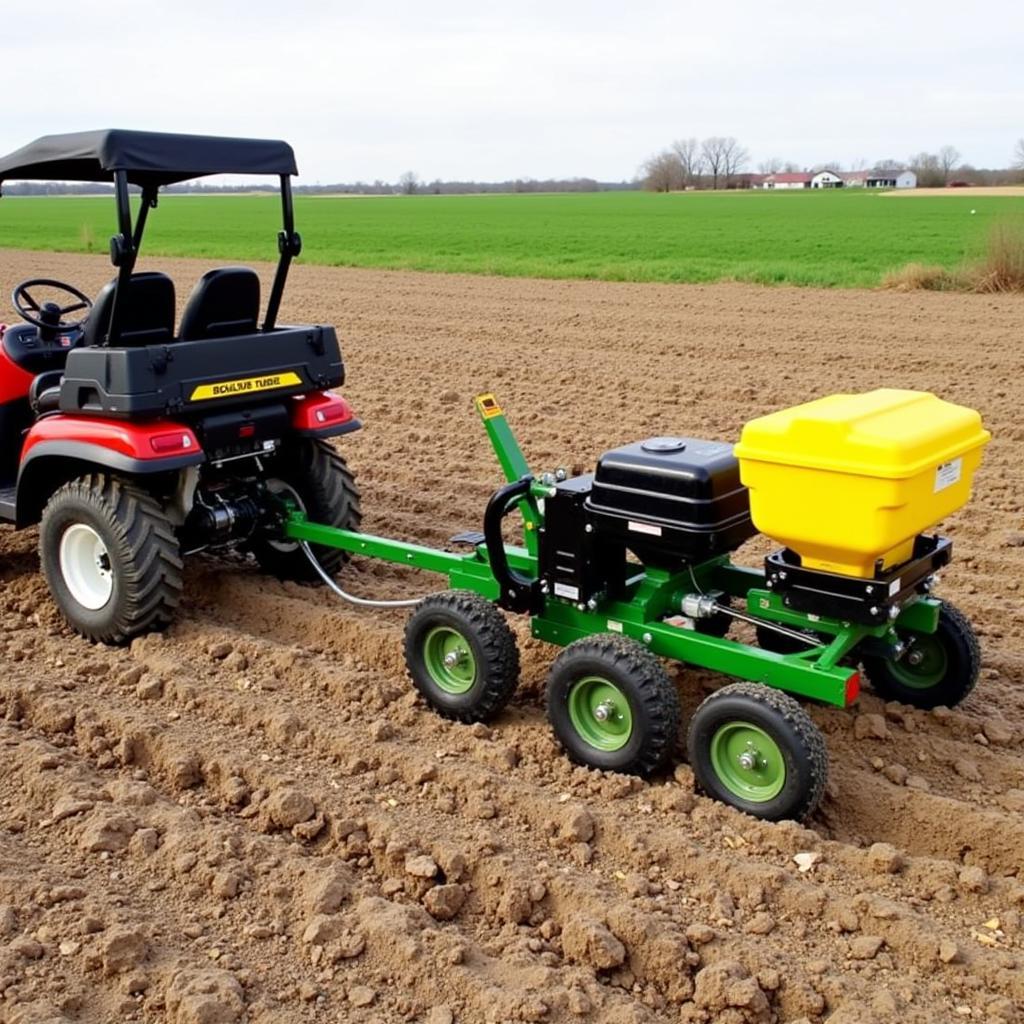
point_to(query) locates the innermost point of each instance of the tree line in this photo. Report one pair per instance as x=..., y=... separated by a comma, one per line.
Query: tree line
x=716, y=162
x=722, y=162
x=408, y=184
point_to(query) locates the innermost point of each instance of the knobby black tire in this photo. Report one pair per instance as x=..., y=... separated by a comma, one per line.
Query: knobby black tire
x=327, y=490
x=143, y=549
x=963, y=653
x=654, y=703
x=493, y=646
x=788, y=724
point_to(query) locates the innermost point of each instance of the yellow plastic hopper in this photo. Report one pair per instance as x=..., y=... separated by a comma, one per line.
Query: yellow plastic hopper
x=849, y=481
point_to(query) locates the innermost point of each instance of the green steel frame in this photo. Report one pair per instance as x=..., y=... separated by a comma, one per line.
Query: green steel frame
x=652, y=598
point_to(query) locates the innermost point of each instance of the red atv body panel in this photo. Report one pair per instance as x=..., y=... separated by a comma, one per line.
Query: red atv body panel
x=14, y=381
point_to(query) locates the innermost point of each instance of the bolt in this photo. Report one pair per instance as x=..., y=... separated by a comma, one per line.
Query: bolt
x=604, y=711
x=873, y=610
x=453, y=658
x=749, y=759
x=589, y=528
x=869, y=589
x=915, y=658
x=647, y=638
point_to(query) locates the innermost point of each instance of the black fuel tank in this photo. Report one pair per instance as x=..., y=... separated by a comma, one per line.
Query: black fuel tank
x=671, y=499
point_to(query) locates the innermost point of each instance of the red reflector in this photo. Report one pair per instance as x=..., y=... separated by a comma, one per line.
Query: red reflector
x=247, y=430
x=176, y=442
x=852, y=687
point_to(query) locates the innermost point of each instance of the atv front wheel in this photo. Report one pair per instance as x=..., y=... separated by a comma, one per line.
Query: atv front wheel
x=312, y=475
x=757, y=749
x=461, y=655
x=110, y=557
x=937, y=668
x=612, y=705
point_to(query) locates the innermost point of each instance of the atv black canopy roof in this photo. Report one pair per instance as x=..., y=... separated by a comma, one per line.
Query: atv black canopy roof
x=149, y=159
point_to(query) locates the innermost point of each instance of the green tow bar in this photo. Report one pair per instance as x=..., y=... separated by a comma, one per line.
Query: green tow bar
x=645, y=611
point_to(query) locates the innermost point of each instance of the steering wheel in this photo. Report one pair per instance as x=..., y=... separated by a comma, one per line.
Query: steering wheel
x=49, y=316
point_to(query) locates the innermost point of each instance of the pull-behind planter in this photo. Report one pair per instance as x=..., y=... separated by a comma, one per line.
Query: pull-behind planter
x=631, y=565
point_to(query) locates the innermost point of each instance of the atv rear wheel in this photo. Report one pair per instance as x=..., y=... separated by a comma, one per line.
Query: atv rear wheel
x=111, y=558
x=317, y=479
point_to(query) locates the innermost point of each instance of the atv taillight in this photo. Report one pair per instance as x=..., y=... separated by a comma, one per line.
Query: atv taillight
x=176, y=442
x=247, y=430
x=332, y=413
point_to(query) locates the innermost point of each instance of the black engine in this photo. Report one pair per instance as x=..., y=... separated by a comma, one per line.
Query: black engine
x=670, y=501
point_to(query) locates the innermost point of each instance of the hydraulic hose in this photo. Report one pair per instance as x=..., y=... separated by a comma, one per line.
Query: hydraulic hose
x=362, y=602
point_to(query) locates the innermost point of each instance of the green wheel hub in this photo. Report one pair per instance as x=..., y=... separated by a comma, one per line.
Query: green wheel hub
x=924, y=665
x=600, y=713
x=449, y=660
x=748, y=762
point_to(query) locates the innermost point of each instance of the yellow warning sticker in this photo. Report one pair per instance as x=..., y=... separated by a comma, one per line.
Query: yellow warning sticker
x=488, y=406
x=245, y=386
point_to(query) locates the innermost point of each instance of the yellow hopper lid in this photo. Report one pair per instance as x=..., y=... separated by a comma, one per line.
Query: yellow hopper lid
x=888, y=433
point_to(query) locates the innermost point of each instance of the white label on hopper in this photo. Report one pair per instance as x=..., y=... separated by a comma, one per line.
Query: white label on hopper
x=615, y=627
x=564, y=590
x=654, y=531
x=948, y=473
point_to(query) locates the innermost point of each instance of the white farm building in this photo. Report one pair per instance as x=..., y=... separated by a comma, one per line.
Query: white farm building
x=878, y=178
x=891, y=179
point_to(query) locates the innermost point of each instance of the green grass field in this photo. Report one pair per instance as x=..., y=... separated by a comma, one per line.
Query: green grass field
x=835, y=239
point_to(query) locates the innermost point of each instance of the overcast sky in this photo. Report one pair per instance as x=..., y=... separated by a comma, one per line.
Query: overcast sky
x=524, y=88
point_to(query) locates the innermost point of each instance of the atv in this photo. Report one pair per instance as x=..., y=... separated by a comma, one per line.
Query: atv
x=132, y=441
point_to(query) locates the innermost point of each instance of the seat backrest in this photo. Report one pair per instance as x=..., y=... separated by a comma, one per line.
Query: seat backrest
x=224, y=302
x=145, y=312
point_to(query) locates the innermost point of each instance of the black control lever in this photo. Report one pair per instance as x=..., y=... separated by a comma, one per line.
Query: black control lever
x=519, y=593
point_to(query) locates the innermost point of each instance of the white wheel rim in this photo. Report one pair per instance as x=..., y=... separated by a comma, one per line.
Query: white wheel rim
x=280, y=488
x=85, y=566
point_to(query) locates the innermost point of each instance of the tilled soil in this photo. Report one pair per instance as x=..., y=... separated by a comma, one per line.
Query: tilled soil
x=252, y=818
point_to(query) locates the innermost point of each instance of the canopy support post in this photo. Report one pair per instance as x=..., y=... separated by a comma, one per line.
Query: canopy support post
x=123, y=252
x=289, y=245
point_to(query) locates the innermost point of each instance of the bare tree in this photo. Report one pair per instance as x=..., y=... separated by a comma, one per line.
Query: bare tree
x=791, y=168
x=663, y=172
x=734, y=159
x=770, y=166
x=409, y=183
x=949, y=158
x=711, y=150
x=928, y=169
x=1018, y=156
x=723, y=157
x=691, y=160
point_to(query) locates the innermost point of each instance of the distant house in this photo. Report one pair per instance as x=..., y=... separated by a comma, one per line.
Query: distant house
x=827, y=179
x=799, y=179
x=891, y=178
x=855, y=179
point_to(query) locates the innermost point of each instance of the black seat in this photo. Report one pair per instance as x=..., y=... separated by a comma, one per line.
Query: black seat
x=145, y=312
x=224, y=302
